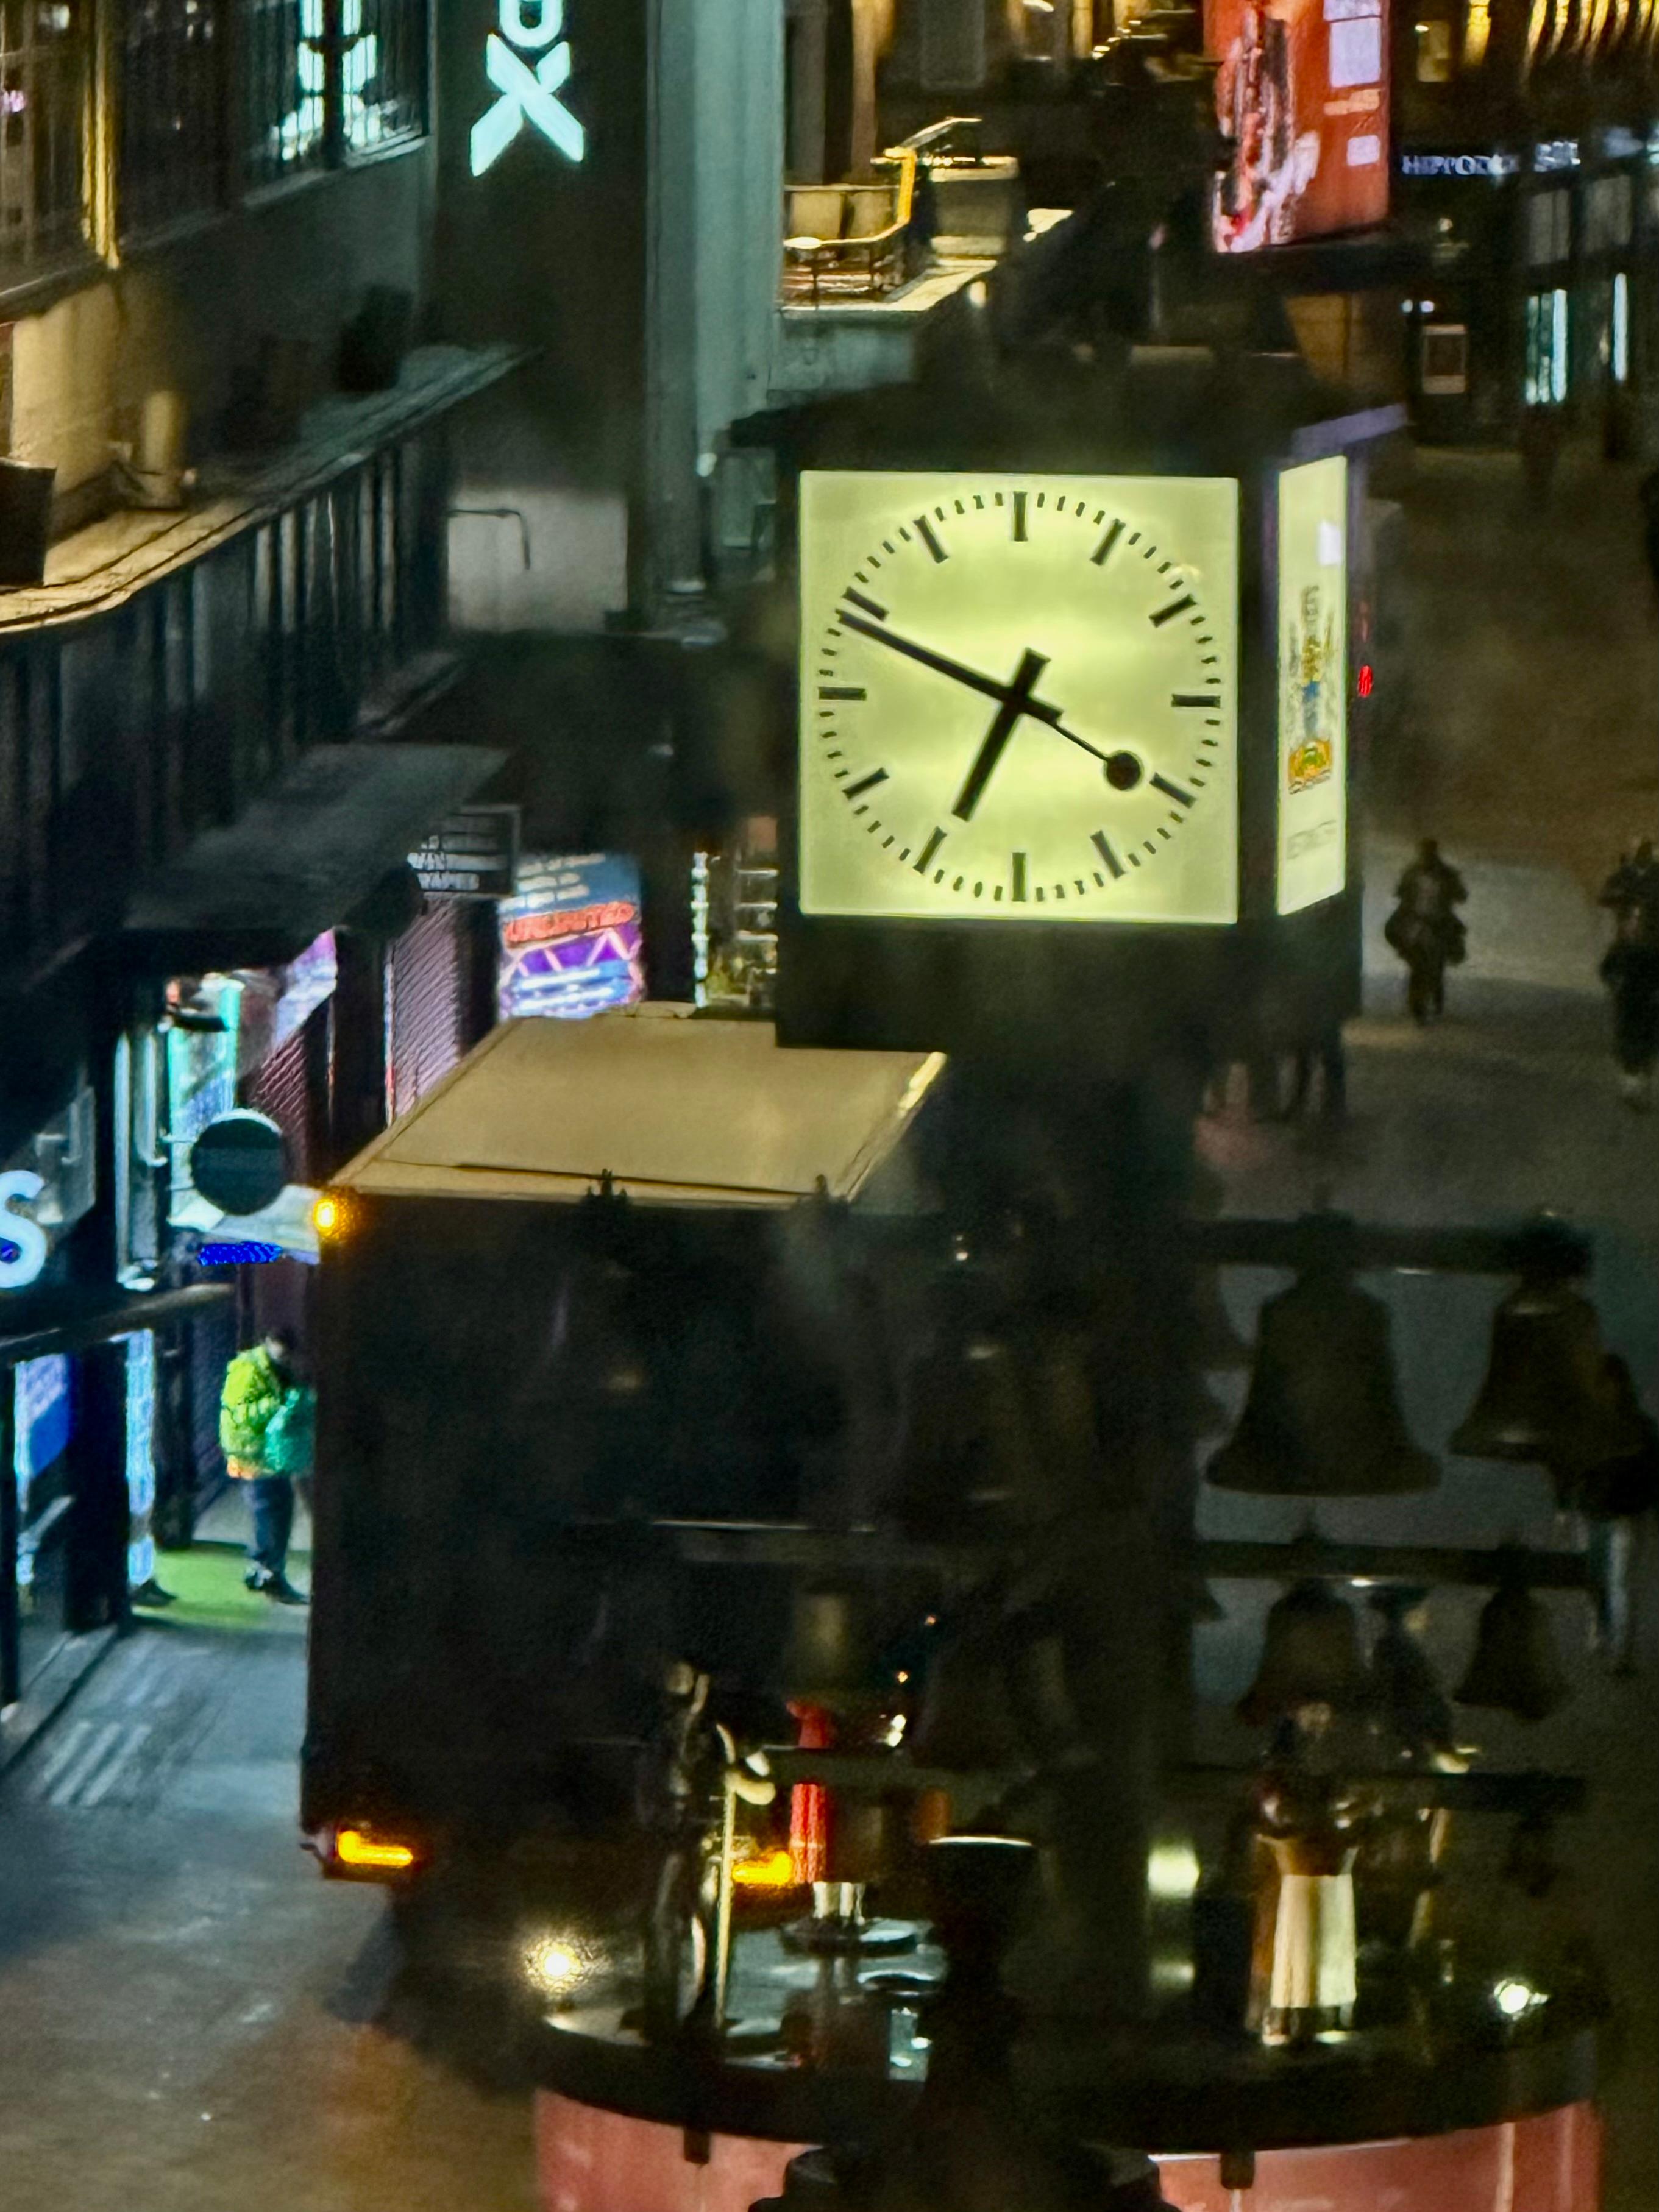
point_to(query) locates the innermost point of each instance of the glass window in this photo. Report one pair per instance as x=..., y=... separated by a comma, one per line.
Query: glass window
x=1606, y=214
x=1549, y=227
x=383, y=71
x=1434, y=53
x=172, y=131
x=382, y=88
x=43, y=103
x=1547, y=348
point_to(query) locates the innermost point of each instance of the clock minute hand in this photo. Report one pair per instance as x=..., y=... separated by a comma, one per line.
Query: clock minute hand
x=958, y=670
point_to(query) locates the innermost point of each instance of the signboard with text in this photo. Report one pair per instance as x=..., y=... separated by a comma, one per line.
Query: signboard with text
x=1313, y=687
x=1302, y=101
x=473, y=855
x=570, y=937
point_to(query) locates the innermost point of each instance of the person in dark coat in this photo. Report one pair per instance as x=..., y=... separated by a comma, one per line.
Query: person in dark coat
x=1425, y=929
x=1630, y=968
x=1633, y=887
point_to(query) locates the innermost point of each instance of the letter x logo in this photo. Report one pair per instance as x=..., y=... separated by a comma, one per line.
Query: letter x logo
x=527, y=95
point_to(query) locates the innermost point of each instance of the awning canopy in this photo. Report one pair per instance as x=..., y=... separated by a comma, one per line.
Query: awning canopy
x=679, y=1110
x=299, y=857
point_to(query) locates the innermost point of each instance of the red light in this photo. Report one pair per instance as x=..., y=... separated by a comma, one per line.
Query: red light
x=1365, y=679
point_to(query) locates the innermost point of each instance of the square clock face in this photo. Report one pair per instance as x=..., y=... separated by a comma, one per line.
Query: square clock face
x=1018, y=698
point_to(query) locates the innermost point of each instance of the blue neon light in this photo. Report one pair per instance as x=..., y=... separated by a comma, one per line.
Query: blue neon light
x=237, y=1254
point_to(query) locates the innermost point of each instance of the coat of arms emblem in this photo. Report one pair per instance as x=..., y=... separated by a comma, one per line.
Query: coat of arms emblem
x=1312, y=706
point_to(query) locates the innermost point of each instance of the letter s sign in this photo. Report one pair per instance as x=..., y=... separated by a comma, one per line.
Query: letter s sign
x=17, y=1232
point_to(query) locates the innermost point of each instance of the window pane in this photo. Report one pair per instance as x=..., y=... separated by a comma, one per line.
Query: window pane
x=43, y=92
x=283, y=73
x=172, y=113
x=383, y=71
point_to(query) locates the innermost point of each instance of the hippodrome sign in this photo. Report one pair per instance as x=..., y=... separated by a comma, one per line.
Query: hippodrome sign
x=527, y=94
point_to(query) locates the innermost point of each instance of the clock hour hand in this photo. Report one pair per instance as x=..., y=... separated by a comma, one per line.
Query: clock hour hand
x=1017, y=703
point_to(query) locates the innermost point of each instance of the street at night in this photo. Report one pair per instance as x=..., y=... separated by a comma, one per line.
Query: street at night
x=829, y=1016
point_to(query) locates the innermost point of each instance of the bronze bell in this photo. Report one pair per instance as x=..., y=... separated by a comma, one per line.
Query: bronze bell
x=1516, y=1668
x=826, y=1658
x=597, y=1356
x=1547, y=1399
x=1406, y=1694
x=1323, y=1418
x=1621, y=1487
x=967, y=1722
x=1310, y=1657
x=966, y=1451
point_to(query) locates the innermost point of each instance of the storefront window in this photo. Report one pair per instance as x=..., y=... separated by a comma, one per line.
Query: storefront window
x=172, y=142
x=1445, y=360
x=1434, y=53
x=1549, y=228
x=43, y=52
x=1547, y=348
x=1607, y=215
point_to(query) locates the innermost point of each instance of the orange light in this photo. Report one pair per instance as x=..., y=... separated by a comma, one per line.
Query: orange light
x=352, y=1848
x=325, y=1215
x=775, y=1870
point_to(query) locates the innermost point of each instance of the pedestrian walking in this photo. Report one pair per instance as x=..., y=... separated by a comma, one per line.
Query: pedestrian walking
x=265, y=1424
x=1630, y=968
x=1425, y=929
x=1632, y=890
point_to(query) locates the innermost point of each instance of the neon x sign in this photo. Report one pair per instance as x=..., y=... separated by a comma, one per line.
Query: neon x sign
x=527, y=94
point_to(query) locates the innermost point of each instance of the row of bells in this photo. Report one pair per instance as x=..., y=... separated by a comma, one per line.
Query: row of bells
x=1010, y=1431
x=1312, y=1655
x=1322, y=1417
x=990, y=1702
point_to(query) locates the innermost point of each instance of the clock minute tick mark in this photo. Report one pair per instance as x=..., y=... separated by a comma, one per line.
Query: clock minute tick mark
x=925, y=858
x=1103, y=845
x=866, y=783
x=1103, y=552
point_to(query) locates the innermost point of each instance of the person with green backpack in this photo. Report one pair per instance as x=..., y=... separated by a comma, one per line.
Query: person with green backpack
x=267, y=1431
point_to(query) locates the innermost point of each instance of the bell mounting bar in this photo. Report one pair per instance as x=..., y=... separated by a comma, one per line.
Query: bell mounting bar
x=1408, y=1248
x=1223, y=1560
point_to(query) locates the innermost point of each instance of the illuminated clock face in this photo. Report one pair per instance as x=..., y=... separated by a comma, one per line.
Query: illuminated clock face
x=1018, y=698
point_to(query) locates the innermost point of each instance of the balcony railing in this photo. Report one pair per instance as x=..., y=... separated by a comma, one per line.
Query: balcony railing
x=851, y=241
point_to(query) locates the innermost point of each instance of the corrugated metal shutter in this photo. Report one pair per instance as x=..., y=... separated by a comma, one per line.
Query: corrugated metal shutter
x=213, y=1339
x=426, y=1003
x=280, y=1089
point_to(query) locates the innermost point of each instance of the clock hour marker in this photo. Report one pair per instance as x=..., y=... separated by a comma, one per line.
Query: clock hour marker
x=841, y=691
x=929, y=537
x=924, y=857
x=869, y=605
x=1168, y=614
x=1195, y=699
x=1017, y=864
x=866, y=783
x=1103, y=552
x=1172, y=791
x=1019, y=518
x=1101, y=844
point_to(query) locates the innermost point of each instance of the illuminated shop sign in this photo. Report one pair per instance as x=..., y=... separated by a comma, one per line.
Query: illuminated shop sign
x=45, y=1189
x=1302, y=101
x=528, y=62
x=1313, y=691
x=239, y=1252
x=22, y=1241
x=1555, y=154
x=1494, y=165
x=570, y=939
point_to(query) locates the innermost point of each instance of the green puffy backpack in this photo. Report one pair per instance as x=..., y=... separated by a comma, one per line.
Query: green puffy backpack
x=290, y=1446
